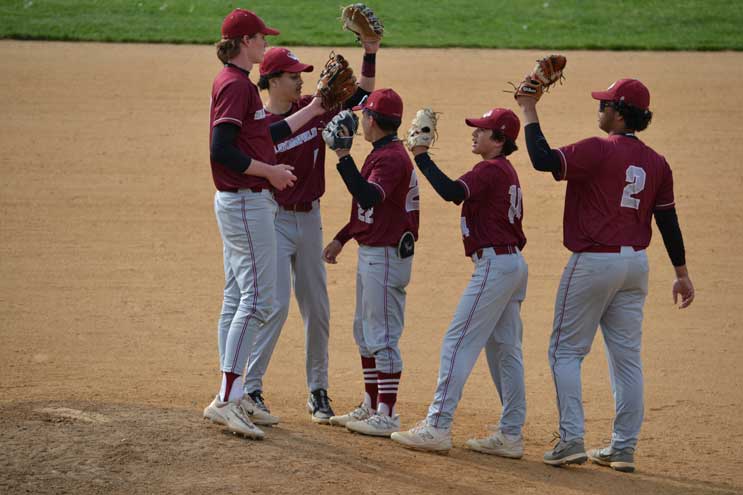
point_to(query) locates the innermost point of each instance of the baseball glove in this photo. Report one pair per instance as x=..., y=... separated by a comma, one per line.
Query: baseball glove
x=360, y=19
x=545, y=74
x=337, y=82
x=339, y=132
x=422, y=130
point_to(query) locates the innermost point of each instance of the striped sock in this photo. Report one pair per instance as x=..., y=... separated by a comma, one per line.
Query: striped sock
x=369, y=365
x=387, y=384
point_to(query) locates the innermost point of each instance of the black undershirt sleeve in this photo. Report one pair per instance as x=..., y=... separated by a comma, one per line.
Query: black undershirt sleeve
x=279, y=130
x=365, y=193
x=668, y=224
x=449, y=190
x=224, y=151
x=543, y=158
x=356, y=98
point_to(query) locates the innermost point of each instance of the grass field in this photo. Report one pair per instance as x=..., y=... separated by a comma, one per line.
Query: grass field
x=549, y=24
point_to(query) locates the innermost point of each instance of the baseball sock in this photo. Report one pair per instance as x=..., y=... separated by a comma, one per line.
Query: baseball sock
x=369, y=366
x=387, y=384
x=228, y=392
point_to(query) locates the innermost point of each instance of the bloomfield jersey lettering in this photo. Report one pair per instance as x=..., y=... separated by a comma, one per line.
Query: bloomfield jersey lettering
x=614, y=184
x=235, y=100
x=492, y=211
x=305, y=151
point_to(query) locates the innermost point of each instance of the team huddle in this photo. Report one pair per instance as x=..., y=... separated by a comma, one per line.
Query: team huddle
x=268, y=166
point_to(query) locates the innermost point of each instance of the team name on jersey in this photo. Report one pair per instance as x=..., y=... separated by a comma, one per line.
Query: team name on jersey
x=260, y=114
x=297, y=140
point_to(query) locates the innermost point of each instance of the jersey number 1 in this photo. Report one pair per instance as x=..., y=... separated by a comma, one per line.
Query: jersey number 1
x=636, y=178
x=515, y=210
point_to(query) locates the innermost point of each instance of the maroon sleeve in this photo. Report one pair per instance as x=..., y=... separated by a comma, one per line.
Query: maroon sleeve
x=664, y=199
x=344, y=235
x=386, y=175
x=231, y=104
x=477, y=181
x=579, y=160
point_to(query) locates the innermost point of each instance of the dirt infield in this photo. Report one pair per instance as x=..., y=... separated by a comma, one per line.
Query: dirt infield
x=111, y=277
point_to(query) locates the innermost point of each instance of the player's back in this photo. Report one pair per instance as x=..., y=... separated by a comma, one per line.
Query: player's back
x=614, y=184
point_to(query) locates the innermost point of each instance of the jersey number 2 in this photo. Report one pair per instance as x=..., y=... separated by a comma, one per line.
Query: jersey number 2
x=636, y=183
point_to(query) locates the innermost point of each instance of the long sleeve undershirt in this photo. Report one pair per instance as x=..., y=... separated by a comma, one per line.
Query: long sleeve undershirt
x=449, y=190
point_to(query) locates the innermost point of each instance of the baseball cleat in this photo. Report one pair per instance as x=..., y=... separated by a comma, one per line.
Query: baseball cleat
x=318, y=405
x=424, y=437
x=258, y=410
x=234, y=416
x=498, y=444
x=572, y=452
x=359, y=414
x=377, y=425
x=617, y=459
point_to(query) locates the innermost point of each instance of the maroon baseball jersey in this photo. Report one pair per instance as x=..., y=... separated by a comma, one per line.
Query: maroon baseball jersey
x=388, y=167
x=493, y=209
x=614, y=184
x=235, y=100
x=305, y=151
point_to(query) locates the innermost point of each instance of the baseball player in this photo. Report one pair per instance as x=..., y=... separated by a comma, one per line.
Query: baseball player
x=488, y=315
x=245, y=174
x=299, y=227
x=615, y=186
x=384, y=221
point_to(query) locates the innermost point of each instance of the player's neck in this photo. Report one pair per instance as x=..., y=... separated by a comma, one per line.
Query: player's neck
x=278, y=106
x=242, y=61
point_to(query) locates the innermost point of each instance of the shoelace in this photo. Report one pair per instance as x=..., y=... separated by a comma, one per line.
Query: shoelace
x=322, y=401
x=259, y=402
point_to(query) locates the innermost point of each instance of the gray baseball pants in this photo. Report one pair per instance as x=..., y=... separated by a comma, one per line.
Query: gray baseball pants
x=606, y=289
x=299, y=263
x=245, y=222
x=488, y=316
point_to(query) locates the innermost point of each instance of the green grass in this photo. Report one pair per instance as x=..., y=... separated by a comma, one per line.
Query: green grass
x=546, y=24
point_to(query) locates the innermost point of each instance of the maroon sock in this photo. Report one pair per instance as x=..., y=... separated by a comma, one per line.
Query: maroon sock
x=369, y=366
x=229, y=379
x=387, y=384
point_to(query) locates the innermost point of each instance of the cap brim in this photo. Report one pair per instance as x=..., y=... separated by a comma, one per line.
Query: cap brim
x=602, y=95
x=299, y=67
x=479, y=123
x=270, y=32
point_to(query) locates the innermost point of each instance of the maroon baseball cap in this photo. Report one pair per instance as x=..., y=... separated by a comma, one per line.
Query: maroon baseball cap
x=501, y=119
x=631, y=91
x=282, y=60
x=385, y=102
x=241, y=22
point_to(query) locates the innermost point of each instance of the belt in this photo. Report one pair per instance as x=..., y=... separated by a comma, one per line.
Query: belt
x=498, y=250
x=299, y=207
x=255, y=189
x=609, y=249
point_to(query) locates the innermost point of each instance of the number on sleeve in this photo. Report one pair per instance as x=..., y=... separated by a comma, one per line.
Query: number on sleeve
x=412, y=200
x=636, y=183
x=514, y=211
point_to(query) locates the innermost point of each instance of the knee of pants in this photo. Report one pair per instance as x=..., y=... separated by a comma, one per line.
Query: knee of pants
x=261, y=309
x=388, y=359
x=561, y=350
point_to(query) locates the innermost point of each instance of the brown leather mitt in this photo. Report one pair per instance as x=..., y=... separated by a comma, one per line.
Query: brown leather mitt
x=337, y=82
x=547, y=71
x=360, y=19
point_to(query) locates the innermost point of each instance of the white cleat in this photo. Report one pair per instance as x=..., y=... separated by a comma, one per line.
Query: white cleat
x=258, y=411
x=359, y=414
x=234, y=416
x=424, y=437
x=377, y=425
x=498, y=444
